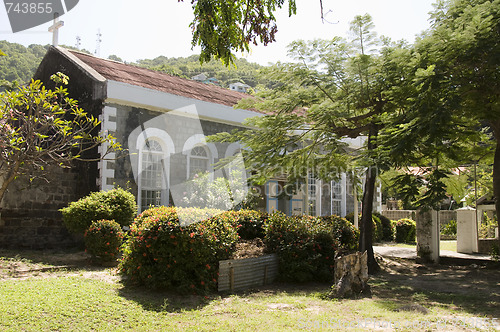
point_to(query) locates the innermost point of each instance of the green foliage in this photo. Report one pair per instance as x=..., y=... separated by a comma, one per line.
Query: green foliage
x=219, y=193
x=377, y=228
x=450, y=228
x=382, y=229
x=221, y=27
x=306, y=246
x=40, y=127
x=251, y=224
x=487, y=227
x=453, y=92
x=387, y=229
x=166, y=250
x=103, y=239
x=245, y=72
x=405, y=231
x=116, y=204
x=346, y=234
x=20, y=62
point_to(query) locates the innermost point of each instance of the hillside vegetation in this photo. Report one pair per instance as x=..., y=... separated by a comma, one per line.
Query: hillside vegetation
x=20, y=63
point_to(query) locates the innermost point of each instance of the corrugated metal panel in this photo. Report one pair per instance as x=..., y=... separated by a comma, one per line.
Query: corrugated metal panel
x=239, y=274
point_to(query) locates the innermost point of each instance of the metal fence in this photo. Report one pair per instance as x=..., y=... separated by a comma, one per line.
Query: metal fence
x=239, y=274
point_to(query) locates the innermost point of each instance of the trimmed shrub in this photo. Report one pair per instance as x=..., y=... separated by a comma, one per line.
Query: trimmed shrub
x=387, y=227
x=344, y=231
x=378, y=226
x=103, y=239
x=116, y=204
x=251, y=224
x=306, y=245
x=169, y=249
x=405, y=231
x=377, y=229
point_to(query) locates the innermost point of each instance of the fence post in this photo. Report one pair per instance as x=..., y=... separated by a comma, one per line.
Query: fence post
x=467, y=242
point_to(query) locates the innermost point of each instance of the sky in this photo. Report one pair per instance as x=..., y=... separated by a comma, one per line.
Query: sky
x=145, y=29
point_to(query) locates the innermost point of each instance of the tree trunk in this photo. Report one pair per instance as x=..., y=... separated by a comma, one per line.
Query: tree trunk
x=366, y=226
x=495, y=124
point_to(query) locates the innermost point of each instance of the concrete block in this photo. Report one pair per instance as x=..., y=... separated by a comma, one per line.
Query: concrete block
x=467, y=240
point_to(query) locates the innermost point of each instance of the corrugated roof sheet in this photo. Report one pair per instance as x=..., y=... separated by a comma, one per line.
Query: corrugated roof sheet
x=155, y=80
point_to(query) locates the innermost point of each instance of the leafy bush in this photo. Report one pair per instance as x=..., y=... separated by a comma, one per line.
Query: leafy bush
x=168, y=249
x=380, y=228
x=387, y=227
x=344, y=231
x=103, y=239
x=306, y=245
x=450, y=228
x=116, y=204
x=220, y=193
x=405, y=231
x=251, y=224
x=377, y=229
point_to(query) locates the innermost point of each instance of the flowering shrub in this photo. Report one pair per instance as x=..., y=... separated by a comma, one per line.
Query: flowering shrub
x=103, y=239
x=251, y=224
x=116, y=204
x=405, y=231
x=168, y=249
x=306, y=245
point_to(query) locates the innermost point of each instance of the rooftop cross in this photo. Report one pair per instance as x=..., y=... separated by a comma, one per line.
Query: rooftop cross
x=54, y=28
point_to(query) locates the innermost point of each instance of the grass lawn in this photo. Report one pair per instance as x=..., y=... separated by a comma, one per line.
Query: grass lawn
x=93, y=299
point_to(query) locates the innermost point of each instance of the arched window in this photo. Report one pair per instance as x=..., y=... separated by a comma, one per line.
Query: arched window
x=200, y=155
x=152, y=174
x=198, y=160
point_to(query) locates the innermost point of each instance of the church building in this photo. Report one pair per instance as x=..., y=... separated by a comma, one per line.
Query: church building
x=161, y=121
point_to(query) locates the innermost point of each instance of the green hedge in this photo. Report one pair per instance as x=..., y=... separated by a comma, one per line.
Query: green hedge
x=251, y=224
x=387, y=227
x=103, y=239
x=116, y=204
x=306, y=245
x=382, y=227
x=168, y=249
x=406, y=231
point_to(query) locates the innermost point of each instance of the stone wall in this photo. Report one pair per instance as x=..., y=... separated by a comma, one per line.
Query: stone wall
x=43, y=197
x=485, y=246
x=35, y=233
x=29, y=212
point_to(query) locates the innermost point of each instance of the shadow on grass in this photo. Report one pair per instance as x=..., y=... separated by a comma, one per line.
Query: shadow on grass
x=473, y=290
x=56, y=257
x=164, y=301
x=171, y=302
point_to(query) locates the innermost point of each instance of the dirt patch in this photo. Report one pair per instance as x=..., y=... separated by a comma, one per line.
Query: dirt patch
x=47, y=264
x=249, y=249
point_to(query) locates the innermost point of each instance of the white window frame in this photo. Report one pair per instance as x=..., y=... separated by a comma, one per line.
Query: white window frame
x=210, y=148
x=168, y=148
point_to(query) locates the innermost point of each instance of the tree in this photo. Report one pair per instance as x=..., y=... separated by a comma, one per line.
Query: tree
x=335, y=90
x=455, y=98
x=40, y=127
x=221, y=26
